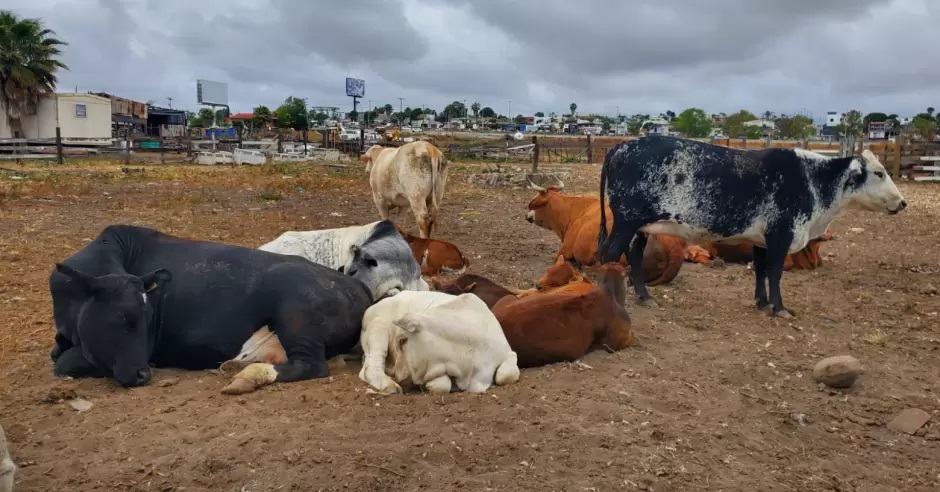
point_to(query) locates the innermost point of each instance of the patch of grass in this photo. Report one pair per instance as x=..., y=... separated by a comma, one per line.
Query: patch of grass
x=877, y=337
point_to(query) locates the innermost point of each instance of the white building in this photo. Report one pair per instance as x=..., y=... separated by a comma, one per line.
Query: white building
x=763, y=124
x=84, y=119
x=656, y=126
x=833, y=118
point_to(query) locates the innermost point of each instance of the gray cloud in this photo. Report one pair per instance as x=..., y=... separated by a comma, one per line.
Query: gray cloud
x=640, y=56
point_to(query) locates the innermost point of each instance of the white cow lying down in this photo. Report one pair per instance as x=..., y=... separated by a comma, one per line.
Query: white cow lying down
x=434, y=338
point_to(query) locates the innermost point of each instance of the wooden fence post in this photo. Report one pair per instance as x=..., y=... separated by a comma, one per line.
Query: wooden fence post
x=58, y=145
x=535, y=154
x=896, y=165
x=127, y=147
x=590, y=150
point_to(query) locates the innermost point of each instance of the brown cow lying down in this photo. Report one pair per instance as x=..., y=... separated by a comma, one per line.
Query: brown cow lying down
x=565, y=322
x=434, y=255
x=487, y=290
x=576, y=220
x=807, y=258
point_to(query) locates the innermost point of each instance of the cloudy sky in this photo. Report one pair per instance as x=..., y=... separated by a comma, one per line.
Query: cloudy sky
x=644, y=56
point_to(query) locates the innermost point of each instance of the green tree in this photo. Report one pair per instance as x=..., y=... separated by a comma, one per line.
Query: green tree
x=28, y=65
x=925, y=125
x=475, y=107
x=540, y=114
x=519, y=119
x=851, y=124
x=416, y=113
x=487, y=112
x=262, y=115
x=202, y=119
x=693, y=122
x=635, y=123
x=455, y=109
x=670, y=115
x=876, y=117
x=572, y=107
x=734, y=124
x=796, y=127
x=292, y=113
x=317, y=117
x=388, y=109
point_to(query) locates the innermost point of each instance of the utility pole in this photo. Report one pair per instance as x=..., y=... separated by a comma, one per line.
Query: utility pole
x=401, y=102
x=169, y=102
x=509, y=115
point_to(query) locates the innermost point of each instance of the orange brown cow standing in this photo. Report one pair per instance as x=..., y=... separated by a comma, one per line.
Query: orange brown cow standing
x=576, y=221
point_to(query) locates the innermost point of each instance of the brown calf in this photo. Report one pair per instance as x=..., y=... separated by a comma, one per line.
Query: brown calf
x=487, y=290
x=434, y=255
x=576, y=221
x=565, y=322
x=807, y=258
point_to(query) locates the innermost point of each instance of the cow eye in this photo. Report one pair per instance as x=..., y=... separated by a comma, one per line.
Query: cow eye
x=371, y=262
x=880, y=174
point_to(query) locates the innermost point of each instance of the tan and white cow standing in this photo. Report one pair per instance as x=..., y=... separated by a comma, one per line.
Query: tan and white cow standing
x=413, y=175
x=7, y=468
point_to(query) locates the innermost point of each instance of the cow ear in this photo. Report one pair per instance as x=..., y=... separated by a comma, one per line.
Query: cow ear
x=156, y=279
x=408, y=323
x=81, y=278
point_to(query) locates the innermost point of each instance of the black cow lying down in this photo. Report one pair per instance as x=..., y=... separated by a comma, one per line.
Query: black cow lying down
x=135, y=297
x=779, y=199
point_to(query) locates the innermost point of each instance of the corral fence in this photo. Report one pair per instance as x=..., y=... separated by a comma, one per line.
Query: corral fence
x=904, y=157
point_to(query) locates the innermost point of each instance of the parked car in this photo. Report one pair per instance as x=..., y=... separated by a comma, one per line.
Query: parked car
x=349, y=135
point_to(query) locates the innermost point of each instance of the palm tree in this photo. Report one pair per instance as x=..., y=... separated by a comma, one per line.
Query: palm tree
x=573, y=107
x=28, y=63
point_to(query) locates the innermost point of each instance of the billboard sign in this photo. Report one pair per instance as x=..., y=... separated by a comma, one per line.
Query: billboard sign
x=211, y=93
x=355, y=87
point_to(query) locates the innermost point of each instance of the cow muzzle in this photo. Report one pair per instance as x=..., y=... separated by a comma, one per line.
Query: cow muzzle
x=901, y=206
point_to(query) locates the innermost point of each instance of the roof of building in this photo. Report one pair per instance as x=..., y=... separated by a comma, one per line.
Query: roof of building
x=242, y=116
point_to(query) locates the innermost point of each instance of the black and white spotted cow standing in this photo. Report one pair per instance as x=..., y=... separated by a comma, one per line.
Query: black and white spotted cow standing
x=777, y=198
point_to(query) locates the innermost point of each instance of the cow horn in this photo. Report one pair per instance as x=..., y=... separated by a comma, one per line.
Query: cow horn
x=533, y=185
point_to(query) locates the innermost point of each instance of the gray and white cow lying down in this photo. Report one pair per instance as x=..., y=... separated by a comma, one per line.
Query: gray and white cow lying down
x=7, y=468
x=376, y=251
x=438, y=341
x=779, y=199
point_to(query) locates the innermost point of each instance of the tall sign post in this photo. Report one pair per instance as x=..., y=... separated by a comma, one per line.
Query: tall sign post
x=212, y=94
x=355, y=88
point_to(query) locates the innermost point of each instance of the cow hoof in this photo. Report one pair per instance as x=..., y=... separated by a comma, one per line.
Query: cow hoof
x=233, y=365
x=783, y=313
x=239, y=386
x=647, y=303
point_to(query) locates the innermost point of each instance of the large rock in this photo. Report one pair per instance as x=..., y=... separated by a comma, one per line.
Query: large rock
x=839, y=371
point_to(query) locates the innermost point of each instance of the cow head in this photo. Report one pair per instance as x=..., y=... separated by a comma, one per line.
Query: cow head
x=558, y=275
x=539, y=212
x=385, y=263
x=114, y=322
x=368, y=157
x=870, y=187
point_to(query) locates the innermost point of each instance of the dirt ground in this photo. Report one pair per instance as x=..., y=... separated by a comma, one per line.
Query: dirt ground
x=703, y=402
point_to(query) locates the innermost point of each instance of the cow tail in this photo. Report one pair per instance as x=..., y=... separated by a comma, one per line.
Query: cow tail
x=602, y=234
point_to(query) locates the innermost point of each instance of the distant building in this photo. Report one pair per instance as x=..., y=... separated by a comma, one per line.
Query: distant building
x=83, y=119
x=657, y=126
x=833, y=118
x=763, y=124
x=165, y=122
x=878, y=130
x=126, y=114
